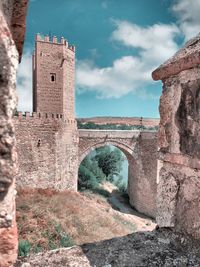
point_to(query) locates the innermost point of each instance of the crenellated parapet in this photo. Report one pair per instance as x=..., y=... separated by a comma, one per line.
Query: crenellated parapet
x=54, y=40
x=43, y=116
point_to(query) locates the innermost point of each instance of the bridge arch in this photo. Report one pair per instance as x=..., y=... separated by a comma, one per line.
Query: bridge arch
x=127, y=151
x=124, y=148
x=140, y=149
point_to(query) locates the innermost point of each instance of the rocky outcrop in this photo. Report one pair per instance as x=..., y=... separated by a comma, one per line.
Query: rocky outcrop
x=15, y=16
x=179, y=141
x=12, y=28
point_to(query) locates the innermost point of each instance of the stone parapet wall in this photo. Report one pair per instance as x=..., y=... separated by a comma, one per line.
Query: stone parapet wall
x=43, y=117
x=109, y=133
x=47, y=149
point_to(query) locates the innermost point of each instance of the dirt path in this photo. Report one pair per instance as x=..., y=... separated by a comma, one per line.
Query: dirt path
x=122, y=205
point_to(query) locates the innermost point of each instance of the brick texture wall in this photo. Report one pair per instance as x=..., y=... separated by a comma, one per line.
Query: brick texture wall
x=53, y=76
x=47, y=151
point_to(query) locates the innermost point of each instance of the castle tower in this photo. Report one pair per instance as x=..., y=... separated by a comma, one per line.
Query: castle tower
x=53, y=77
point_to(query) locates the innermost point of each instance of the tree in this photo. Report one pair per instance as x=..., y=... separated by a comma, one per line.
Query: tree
x=103, y=164
x=90, y=175
x=110, y=161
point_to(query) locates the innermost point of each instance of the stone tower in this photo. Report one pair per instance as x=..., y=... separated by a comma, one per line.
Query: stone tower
x=53, y=77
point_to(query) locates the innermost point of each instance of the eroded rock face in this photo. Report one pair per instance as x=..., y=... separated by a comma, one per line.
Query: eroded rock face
x=8, y=245
x=166, y=199
x=15, y=16
x=179, y=141
x=188, y=118
x=178, y=200
x=12, y=13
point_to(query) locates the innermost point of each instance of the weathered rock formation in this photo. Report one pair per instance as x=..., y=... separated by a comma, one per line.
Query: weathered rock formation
x=179, y=141
x=12, y=29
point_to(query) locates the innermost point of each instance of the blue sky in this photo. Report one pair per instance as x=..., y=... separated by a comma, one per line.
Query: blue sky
x=118, y=44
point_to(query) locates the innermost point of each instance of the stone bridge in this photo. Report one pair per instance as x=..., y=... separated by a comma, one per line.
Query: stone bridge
x=125, y=140
x=140, y=148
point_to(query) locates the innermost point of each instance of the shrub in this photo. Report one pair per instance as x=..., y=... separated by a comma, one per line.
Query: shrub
x=86, y=178
x=58, y=238
x=64, y=239
x=24, y=248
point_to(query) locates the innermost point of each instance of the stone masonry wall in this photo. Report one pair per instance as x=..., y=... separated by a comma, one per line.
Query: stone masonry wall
x=47, y=151
x=179, y=141
x=142, y=186
x=53, y=76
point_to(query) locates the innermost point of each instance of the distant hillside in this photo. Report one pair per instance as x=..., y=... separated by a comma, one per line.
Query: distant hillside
x=85, y=124
x=121, y=121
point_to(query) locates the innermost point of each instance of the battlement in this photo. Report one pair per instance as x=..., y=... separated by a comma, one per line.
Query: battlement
x=54, y=40
x=39, y=115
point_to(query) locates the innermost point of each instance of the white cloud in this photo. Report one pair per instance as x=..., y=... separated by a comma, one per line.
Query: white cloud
x=24, y=83
x=129, y=73
x=124, y=76
x=154, y=44
x=188, y=14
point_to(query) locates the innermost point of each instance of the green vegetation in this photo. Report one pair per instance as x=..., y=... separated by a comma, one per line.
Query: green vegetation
x=56, y=238
x=109, y=126
x=104, y=164
x=109, y=161
x=90, y=175
x=24, y=248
